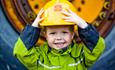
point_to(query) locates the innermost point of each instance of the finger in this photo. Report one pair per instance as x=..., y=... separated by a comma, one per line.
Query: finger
x=41, y=12
x=70, y=11
x=68, y=20
x=66, y=13
x=41, y=19
x=65, y=17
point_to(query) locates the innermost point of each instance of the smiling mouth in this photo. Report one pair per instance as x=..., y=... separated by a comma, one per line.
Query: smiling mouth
x=59, y=45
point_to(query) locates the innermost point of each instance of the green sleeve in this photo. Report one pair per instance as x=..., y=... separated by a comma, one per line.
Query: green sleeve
x=92, y=56
x=27, y=57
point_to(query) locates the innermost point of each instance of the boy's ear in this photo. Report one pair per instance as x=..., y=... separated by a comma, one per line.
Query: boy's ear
x=73, y=34
x=43, y=34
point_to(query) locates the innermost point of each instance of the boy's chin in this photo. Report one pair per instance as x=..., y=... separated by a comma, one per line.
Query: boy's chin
x=58, y=48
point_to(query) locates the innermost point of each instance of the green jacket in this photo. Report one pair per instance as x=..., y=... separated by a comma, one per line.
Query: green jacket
x=75, y=57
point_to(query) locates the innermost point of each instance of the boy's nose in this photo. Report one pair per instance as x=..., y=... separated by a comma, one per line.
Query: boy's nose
x=58, y=38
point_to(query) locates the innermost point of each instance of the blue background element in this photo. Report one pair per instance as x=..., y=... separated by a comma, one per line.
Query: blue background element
x=8, y=37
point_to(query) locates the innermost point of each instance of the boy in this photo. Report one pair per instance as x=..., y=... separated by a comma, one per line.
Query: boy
x=60, y=52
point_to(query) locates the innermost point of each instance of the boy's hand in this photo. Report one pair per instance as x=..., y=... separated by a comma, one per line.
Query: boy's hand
x=38, y=18
x=70, y=16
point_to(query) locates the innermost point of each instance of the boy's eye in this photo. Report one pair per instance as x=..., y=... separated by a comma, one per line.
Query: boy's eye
x=52, y=33
x=64, y=32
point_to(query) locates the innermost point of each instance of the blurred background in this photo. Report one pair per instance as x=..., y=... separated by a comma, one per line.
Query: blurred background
x=16, y=14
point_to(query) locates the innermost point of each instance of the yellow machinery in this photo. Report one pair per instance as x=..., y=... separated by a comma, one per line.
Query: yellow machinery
x=99, y=13
x=87, y=9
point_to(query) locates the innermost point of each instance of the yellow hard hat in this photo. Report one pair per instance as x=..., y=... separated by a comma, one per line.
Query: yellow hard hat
x=52, y=14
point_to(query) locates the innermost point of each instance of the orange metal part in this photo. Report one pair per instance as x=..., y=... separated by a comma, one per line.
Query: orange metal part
x=36, y=5
x=87, y=9
x=10, y=12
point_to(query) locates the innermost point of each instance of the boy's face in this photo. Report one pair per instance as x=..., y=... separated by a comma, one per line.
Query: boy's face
x=59, y=36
